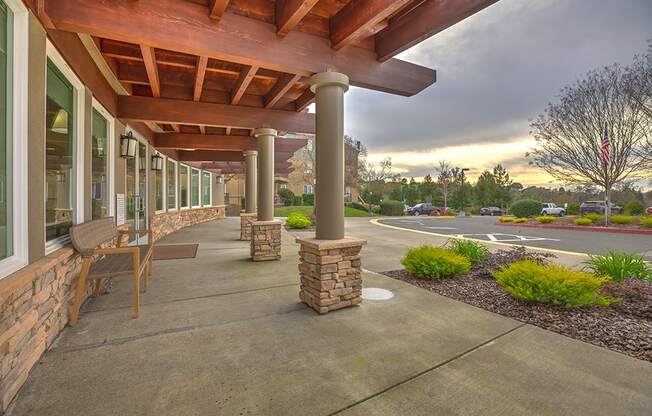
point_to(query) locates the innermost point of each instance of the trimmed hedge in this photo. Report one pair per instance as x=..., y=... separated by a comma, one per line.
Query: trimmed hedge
x=356, y=205
x=583, y=221
x=635, y=208
x=622, y=219
x=526, y=208
x=519, y=220
x=297, y=200
x=506, y=219
x=394, y=208
x=646, y=222
x=545, y=219
x=308, y=199
x=431, y=262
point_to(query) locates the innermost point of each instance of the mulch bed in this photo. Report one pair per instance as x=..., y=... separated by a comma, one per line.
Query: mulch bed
x=625, y=327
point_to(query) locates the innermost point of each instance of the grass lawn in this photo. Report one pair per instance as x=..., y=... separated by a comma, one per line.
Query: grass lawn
x=286, y=211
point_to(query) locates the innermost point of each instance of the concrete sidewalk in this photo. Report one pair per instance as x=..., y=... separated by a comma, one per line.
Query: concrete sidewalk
x=221, y=335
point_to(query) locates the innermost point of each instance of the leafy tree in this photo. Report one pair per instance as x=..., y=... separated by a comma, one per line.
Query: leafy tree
x=503, y=186
x=411, y=192
x=462, y=191
x=486, y=189
x=427, y=189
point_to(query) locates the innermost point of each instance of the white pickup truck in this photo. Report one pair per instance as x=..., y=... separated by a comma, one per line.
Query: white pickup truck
x=551, y=209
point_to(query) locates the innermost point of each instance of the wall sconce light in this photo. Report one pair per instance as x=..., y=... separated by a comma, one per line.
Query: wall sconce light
x=128, y=145
x=219, y=179
x=157, y=162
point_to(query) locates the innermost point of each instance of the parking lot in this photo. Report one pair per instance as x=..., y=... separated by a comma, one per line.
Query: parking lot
x=487, y=229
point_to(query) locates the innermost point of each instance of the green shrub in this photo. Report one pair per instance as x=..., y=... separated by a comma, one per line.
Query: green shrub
x=573, y=209
x=242, y=203
x=434, y=262
x=308, y=199
x=530, y=281
x=619, y=266
x=646, y=222
x=475, y=252
x=622, y=219
x=506, y=219
x=356, y=205
x=519, y=220
x=526, y=208
x=583, y=221
x=297, y=200
x=594, y=217
x=635, y=208
x=545, y=219
x=298, y=220
x=286, y=196
x=390, y=207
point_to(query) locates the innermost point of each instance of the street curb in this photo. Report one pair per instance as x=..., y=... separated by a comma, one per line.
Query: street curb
x=580, y=228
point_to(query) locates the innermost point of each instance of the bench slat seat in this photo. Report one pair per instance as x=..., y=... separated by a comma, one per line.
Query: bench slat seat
x=117, y=264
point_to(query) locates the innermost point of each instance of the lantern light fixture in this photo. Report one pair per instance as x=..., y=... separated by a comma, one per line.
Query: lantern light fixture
x=128, y=146
x=219, y=179
x=157, y=162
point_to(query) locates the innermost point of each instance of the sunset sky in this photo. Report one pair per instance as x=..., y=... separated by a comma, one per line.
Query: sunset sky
x=496, y=70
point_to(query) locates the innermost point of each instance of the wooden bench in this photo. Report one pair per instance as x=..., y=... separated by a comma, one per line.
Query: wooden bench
x=107, y=262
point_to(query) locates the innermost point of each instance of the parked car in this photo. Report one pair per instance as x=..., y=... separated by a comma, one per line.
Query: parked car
x=550, y=208
x=598, y=207
x=648, y=211
x=491, y=211
x=421, y=209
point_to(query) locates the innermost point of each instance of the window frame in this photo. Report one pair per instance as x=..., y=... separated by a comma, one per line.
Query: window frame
x=110, y=148
x=18, y=138
x=179, y=186
x=210, y=188
x=199, y=196
x=306, y=187
x=79, y=103
x=176, y=185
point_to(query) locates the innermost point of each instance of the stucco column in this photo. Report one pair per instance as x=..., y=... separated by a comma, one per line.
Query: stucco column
x=265, y=139
x=329, y=89
x=218, y=190
x=251, y=180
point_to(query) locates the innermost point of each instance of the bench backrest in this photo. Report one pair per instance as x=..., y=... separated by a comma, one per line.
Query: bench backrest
x=88, y=236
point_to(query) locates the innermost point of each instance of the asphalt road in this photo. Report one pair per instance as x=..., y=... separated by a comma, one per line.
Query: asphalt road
x=487, y=229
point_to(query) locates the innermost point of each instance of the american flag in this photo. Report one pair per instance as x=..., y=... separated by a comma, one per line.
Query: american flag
x=606, y=147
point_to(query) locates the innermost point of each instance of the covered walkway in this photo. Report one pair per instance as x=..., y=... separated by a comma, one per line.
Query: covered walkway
x=222, y=335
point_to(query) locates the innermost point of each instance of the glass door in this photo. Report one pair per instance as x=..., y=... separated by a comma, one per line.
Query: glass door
x=136, y=193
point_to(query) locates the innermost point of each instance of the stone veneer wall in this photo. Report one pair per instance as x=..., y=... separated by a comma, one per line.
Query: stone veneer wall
x=169, y=222
x=245, y=225
x=265, y=240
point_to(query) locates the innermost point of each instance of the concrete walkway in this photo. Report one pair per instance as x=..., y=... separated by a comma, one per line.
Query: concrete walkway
x=220, y=335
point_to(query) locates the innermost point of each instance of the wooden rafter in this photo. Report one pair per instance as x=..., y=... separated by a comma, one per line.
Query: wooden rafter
x=210, y=155
x=202, y=62
x=202, y=129
x=149, y=58
x=237, y=39
x=282, y=86
x=307, y=98
x=204, y=142
x=420, y=23
x=162, y=110
x=228, y=130
x=245, y=78
x=359, y=17
x=290, y=12
x=216, y=8
x=175, y=127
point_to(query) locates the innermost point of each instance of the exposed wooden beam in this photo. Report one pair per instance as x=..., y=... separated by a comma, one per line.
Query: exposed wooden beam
x=429, y=18
x=282, y=86
x=228, y=130
x=216, y=8
x=162, y=110
x=202, y=129
x=359, y=17
x=175, y=127
x=210, y=155
x=149, y=58
x=246, y=76
x=307, y=98
x=184, y=27
x=290, y=12
x=202, y=62
x=204, y=142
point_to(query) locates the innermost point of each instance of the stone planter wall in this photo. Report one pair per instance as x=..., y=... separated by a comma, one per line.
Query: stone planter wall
x=265, y=240
x=168, y=222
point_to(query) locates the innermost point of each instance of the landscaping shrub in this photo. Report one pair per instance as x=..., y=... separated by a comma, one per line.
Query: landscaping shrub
x=573, y=209
x=308, y=199
x=646, y=222
x=583, y=221
x=545, y=219
x=622, y=219
x=530, y=281
x=297, y=200
x=619, y=266
x=503, y=258
x=594, y=217
x=506, y=219
x=475, y=252
x=390, y=207
x=297, y=220
x=434, y=262
x=286, y=196
x=635, y=208
x=526, y=208
x=519, y=220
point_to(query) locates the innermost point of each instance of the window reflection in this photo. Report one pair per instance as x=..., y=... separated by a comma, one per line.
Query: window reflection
x=99, y=183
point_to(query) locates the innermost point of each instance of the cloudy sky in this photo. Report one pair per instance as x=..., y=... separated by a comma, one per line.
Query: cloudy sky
x=495, y=71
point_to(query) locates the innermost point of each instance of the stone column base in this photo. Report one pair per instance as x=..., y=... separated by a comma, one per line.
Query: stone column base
x=330, y=272
x=265, y=240
x=245, y=225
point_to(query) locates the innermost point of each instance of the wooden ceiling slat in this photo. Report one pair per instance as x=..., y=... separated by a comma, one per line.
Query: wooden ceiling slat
x=244, y=80
x=290, y=12
x=204, y=142
x=228, y=131
x=420, y=23
x=202, y=129
x=149, y=58
x=280, y=88
x=210, y=155
x=307, y=98
x=199, y=80
x=359, y=17
x=216, y=8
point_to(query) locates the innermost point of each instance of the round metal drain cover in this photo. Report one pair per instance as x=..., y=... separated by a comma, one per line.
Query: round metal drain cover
x=374, y=293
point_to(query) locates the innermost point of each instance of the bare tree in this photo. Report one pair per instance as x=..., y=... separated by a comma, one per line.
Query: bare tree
x=569, y=133
x=639, y=88
x=370, y=172
x=444, y=179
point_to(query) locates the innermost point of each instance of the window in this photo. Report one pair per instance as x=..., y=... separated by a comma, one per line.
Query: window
x=160, y=189
x=309, y=168
x=13, y=136
x=307, y=189
x=206, y=187
x=194, y=187
x=347, y=194
x=171, y=171
x=99, y=169
x=183, y=186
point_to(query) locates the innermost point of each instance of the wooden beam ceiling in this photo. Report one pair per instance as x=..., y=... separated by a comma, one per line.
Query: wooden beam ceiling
x=289, y=13
x=359, y=17
x=420, y=23
x=204, y=142
x=245, y=78
x=210, y=155
x=307, y=98
x=280, y=88
x=162, y=110
x=216, y=8
x=202, y=62
x=185, y=27
x=149, y=58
